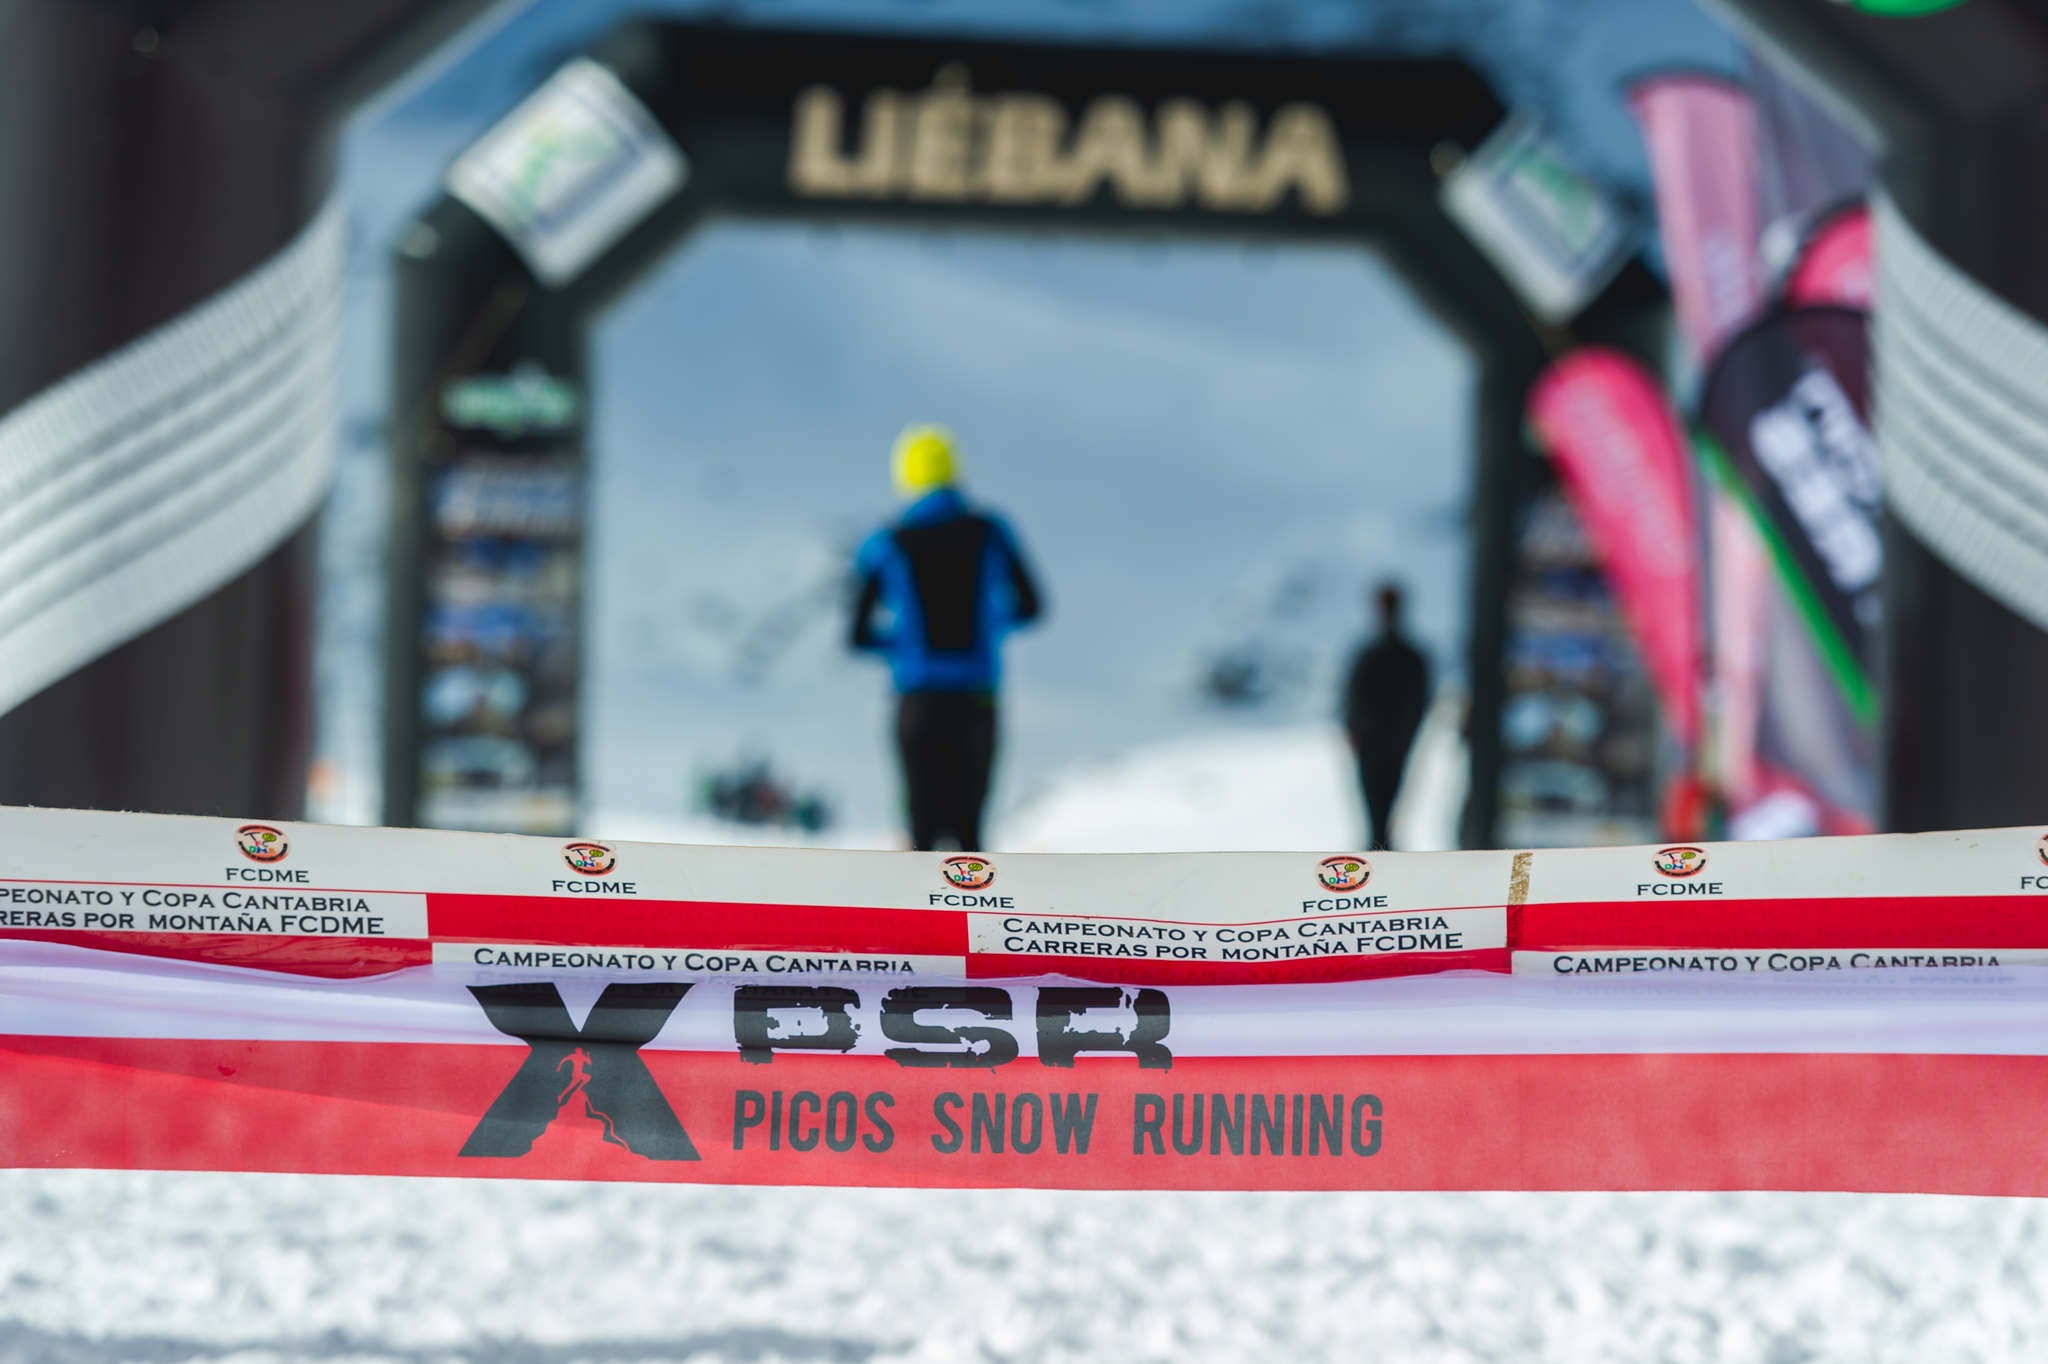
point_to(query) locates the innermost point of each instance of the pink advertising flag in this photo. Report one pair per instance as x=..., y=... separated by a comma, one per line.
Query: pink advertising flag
x=1834, y=266
x=1701, y=134
x=1617, y=445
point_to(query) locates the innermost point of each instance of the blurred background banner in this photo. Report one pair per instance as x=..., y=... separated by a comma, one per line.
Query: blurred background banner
x=1816, y=763
x=1557, y=234
x=1699, y=131
x=1787, y=404
x=1955, y=231
x=1607, y=426
x=1812, y=167
x=1745, y=174
x=1787, y=408
x=1835, y=265
x=1701, y=134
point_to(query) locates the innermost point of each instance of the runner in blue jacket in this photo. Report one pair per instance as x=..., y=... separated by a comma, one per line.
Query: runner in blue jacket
x=938, y=589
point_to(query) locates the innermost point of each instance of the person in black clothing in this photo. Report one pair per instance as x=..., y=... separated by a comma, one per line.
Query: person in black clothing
x=937, y=589
x=1384, y=700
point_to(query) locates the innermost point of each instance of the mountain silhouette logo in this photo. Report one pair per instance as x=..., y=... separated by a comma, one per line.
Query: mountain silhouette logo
x=581, y=1081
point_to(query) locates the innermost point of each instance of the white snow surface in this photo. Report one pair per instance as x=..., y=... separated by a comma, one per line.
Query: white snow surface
x=1288, y=789
x=1273, y=790
x=257, y=1269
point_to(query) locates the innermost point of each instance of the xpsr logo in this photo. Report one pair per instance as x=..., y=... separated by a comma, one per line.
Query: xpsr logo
x=593, y=1073
x=594, y=1079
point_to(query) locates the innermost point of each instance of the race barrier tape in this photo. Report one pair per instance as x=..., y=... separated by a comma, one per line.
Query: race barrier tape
x=1849, y=1013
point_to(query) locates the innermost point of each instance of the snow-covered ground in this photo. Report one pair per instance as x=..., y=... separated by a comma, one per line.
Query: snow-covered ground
x=161, y=1268
x=1236, y=791
x=1279, y=790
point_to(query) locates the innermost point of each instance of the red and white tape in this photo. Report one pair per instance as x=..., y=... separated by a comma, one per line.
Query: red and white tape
x=209, y=994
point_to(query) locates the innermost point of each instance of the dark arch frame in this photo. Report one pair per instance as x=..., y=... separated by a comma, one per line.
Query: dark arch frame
x=469, y=303
x=153, y=155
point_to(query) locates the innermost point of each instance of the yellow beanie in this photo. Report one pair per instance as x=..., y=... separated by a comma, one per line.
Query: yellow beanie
x=924, y=460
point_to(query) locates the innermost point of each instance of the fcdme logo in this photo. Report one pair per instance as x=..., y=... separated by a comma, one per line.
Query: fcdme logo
x=596, y=1074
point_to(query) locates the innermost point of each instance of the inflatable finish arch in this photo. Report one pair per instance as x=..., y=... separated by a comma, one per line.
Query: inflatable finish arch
x=498, y=281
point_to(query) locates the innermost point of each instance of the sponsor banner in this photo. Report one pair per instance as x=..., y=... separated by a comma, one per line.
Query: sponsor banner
x=1980, y=897
x=363, y=901
x=1341, y=945
x=694, y=961
x=1811, y=744
x=1875, y=1123
x=1578, y=721
x=1809, y=162
x=246, y=911
x=1775, y=961
x=1837, y=265
x=1449, y=1083
x=296, y=898
x=1787, y=407
x=1739, y=596
x=1684, y=1016
x=1813, y=756
x=303, y=899
x=56, y=990
x=953, y=142
x=570, y=171
x=1998, y=863
x=1551, y=230
x=1700, y=131
x=1624, y=460
x=1792, y=756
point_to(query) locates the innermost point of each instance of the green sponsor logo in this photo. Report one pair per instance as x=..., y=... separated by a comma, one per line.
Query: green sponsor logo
x=556, y=160
x=1903, y=9
x=526, y=402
